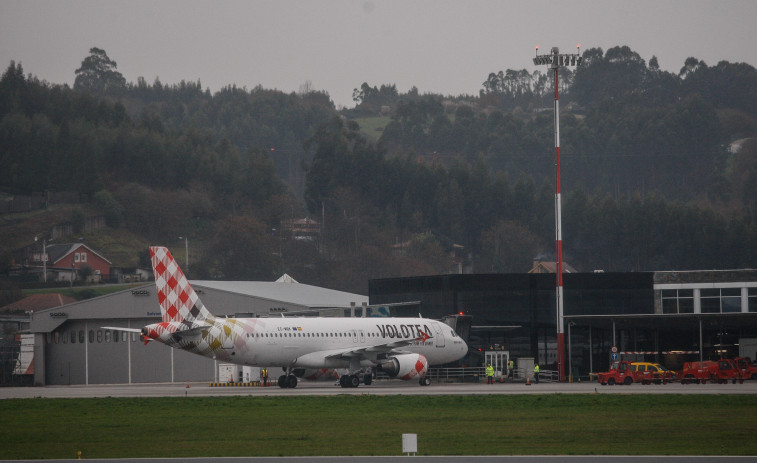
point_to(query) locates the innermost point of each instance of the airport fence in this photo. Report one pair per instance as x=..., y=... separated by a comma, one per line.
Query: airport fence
x=474, y=374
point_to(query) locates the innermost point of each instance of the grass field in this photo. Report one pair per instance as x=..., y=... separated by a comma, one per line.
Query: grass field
x=372, y=425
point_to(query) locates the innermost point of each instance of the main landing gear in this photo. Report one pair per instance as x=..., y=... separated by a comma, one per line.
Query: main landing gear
x=287, y=381
x=425, y=381
x=355, y=380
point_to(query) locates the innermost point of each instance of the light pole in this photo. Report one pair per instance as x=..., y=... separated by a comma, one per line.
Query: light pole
x=44, y=258
x=555, y=61
x=186, y=252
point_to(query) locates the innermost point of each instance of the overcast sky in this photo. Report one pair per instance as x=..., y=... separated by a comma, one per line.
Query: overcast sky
x=439, y=46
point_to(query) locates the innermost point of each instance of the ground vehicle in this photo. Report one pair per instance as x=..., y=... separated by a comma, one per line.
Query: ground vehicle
x=621, y=372
x=720, y=371
x=748, y=369
x=652, y=372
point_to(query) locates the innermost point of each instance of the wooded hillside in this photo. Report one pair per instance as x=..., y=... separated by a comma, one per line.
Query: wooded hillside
x=650, y=181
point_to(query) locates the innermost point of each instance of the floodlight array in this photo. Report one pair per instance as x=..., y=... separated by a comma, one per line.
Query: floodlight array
x=558, y=60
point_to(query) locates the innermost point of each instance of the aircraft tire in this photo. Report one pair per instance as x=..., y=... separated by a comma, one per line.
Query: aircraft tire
x=282, y=381
x=425, y=381
x=343, y=381
x=291, y=381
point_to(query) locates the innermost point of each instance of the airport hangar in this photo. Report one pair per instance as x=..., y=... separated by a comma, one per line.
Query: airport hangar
x=71, y=347
x=667, y=317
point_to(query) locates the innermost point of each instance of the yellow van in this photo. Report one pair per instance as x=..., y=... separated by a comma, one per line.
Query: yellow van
x=654, y=371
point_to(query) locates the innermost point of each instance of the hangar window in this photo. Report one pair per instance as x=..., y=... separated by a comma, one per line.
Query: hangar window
x=134, y=337
x=108, y=335
x=124, y=336
x=677, y=301
x=73, y=336
x=115, y=336
x=752, y=299
x=710, y=298
x=99, y=335
x=81, y=336
x=91, y=336
x=730, y=299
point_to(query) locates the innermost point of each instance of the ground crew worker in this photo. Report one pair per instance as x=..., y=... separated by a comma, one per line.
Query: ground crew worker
x=510, y=367
x=536, y=373
x=489, y=374
x=264, y=376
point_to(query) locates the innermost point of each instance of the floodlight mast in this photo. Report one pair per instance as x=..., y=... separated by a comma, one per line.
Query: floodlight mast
x=555, y=60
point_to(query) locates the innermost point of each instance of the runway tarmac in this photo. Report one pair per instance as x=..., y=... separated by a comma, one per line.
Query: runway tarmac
x=377, y=388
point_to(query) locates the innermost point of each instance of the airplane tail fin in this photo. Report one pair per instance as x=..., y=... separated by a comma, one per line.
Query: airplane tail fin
x=178, y=301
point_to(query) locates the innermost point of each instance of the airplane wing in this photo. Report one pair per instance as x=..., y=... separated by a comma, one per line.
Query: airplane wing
x=121, y=328
x=371, y=353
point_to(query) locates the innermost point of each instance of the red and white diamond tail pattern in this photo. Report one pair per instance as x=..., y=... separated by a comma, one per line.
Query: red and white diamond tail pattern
x=178, y=301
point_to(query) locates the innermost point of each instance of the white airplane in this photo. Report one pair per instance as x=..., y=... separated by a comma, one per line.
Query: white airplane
x=400, y=347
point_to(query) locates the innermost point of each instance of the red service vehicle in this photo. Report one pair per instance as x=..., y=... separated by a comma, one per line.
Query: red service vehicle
x=748, y=369
x=621, y=372
x=701, y=372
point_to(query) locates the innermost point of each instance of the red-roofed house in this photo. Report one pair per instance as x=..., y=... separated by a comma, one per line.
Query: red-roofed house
x=65, y=262
x=37, y=302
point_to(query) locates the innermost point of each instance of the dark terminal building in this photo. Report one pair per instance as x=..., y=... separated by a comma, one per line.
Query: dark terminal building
x=667, y=317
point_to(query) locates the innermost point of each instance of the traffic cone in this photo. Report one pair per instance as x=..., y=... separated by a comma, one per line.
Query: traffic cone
x=528, y=380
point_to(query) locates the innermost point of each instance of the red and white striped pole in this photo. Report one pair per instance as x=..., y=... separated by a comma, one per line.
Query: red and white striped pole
x=555, y=61
x=558, y=226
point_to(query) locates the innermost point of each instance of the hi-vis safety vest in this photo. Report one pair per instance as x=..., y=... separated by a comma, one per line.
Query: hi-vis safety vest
x=489, y=371
x=536, y=368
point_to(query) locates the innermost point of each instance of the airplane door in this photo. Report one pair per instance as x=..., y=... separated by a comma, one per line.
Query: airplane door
x=439, y=334
x=361, y=333
x=354, y=336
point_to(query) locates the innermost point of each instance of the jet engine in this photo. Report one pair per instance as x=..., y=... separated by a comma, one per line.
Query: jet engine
x=405, y=366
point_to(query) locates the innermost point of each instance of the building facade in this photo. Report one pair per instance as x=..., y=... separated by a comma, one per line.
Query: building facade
x=669, y=317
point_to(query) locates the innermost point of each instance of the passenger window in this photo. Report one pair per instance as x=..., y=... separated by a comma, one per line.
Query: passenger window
x=73, y=337
x=99, y=335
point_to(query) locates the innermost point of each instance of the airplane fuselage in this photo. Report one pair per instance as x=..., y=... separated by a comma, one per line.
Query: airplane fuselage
x=309, y=342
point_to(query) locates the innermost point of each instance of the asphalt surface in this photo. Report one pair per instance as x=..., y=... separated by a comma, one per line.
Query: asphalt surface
x=377, y=388
x=440, y=459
